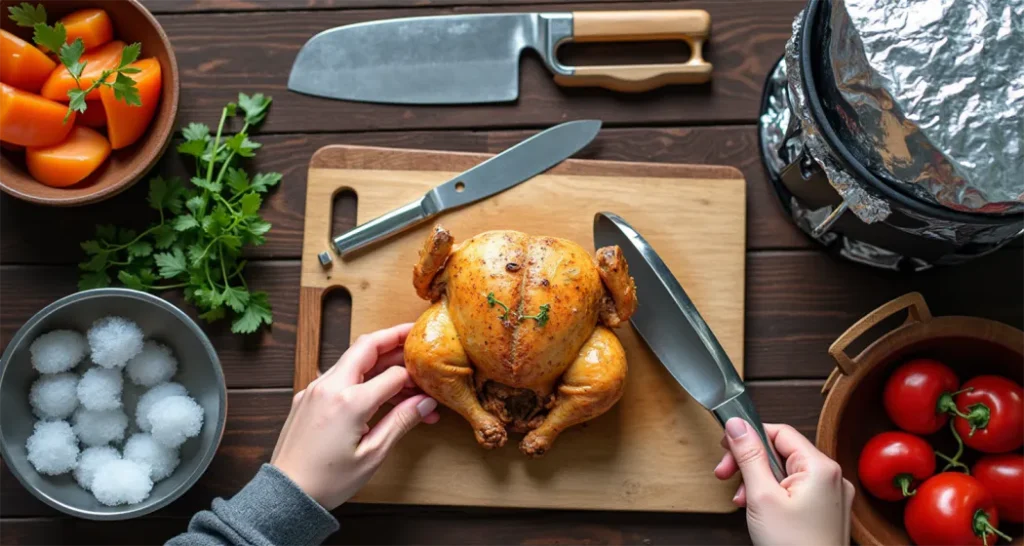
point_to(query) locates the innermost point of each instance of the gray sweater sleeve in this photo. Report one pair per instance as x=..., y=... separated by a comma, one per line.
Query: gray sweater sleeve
x=269, y=510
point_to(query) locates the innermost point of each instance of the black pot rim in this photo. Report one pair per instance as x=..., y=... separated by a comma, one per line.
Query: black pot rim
x=852, y=164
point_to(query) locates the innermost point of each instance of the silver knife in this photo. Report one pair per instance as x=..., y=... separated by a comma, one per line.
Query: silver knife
x=671, y=326
x=473, y=59
x=499, y=173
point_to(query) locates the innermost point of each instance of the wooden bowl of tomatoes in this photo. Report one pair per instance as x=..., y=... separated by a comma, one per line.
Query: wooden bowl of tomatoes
x=895, y=416
x=86, y=116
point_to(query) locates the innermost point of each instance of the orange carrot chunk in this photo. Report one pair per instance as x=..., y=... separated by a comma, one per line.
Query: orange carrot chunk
x=22, y=65
x=94, y=116
x=102, y=58
x=70, y=161
x=125, y=123
x=31, y=120
x=91, y=25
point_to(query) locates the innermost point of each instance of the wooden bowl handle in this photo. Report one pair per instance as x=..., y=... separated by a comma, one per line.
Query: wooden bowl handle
x=917, y=312
x=688, y=25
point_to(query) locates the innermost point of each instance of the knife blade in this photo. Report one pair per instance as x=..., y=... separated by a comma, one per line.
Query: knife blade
x=499, y=173
x=670, y=324
x=474, y=59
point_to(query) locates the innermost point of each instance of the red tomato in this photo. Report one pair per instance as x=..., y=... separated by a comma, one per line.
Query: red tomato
x=952, y=508
x=918, y=395
x=892, y=464
x=994, y=407
x=1003, y=476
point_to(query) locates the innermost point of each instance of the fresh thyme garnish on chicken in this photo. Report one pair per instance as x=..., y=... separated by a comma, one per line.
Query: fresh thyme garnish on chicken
x=541, y=317
x=491, y=301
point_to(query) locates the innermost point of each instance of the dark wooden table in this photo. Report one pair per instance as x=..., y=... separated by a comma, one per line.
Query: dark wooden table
x=798, y=299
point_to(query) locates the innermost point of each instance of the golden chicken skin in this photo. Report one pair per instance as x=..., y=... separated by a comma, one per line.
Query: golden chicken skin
x=517, y=337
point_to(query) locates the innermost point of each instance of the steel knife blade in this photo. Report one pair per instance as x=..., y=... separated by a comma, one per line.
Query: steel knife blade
x=670, y=324
x=497, y=174
x=474, y=58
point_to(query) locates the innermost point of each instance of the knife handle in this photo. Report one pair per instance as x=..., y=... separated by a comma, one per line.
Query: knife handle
x=381, y=227
x=688, y=25
x=743, y=407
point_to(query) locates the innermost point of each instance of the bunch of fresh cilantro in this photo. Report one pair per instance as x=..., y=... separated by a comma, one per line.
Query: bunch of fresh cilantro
x=55, y=38
x=197, y=242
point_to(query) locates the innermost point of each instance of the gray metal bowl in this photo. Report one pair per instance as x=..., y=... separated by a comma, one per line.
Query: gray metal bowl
x=198, y=370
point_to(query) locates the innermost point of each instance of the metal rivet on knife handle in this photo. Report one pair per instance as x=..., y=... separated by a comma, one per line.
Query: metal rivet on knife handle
x=325, y=259
x=690, y=26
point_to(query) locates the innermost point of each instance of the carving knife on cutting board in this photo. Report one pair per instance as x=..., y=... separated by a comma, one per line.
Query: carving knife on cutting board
x=474, y=59
x=670, y=324
x=499, y=173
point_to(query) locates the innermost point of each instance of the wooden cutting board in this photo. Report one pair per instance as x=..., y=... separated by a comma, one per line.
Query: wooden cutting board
x=653, y=451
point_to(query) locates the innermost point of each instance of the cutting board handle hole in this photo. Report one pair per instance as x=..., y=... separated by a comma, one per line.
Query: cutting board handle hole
x=343, y=212
x=335, y=326
x=460, y=187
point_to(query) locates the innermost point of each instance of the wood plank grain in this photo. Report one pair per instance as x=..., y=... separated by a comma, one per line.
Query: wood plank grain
x=212, y=6
x=255, y=419
x=215, y=66
x=797, y=304
x=57, y=232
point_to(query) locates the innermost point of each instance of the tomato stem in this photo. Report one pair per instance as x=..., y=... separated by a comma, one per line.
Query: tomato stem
x=904, y=481
x=946, y=404
x=983, y=528
x=978, y=416
x=954, y=461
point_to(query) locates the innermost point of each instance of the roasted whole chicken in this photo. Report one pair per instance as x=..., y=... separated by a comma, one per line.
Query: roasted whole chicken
x=518, y=337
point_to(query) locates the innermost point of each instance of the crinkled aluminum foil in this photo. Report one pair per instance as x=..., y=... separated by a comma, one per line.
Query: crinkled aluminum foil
x=867, y=207
x=935, y=90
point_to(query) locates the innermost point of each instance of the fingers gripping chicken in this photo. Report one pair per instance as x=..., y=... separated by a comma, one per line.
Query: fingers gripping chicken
x=517, y=337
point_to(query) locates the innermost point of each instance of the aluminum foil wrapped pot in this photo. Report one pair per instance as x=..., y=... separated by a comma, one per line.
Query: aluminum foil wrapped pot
x=821, y=152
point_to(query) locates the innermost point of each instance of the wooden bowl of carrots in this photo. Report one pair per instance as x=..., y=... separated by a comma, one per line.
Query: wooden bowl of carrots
x=83, y=122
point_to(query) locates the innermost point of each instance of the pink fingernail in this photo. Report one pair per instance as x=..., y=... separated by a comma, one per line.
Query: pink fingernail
x=426, y=406
x=736, y=428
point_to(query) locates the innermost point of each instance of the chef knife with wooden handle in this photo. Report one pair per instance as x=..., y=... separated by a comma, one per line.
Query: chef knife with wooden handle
x=473, y=59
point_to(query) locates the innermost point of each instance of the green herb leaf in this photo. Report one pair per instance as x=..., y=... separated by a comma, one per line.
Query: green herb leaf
x=231, y=242
x=140, y=249
x=250, y=203
x=205, y=184
x=195, y=203
x=70, y=55
x=262, y=182
x=237, y=180
x=157, y=193
x=196, y=255
x=229, y=108
x=129, y=70
x=98, y=279
x=51, y=38
x=194, y=148
x=258, y=227
x=125, y=236
x=257, y=312
x=196, y=131
x=214, y=314
x=91, y=247
x=76, y=102
x=27, y=15
x=255, y=107
x=236, y=298
x=129, y=54
x=171, y=264
x=164, y=236
x=130, y=280
x=147, y=277
x=98, y=262
x=241, y=145
x=125, y=90
x=106, y=232
x=184, y=223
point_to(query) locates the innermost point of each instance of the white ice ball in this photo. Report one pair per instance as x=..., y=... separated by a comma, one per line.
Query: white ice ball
x=54, y=396
x=98, y=428
x=152, y=396
x=121, y=482
x=158, y=458
x=100, y=389
x=52, y=448
x=91, y=460
x=113, y=341
x=155, y=364
x=175, y=419
x=57, y=351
